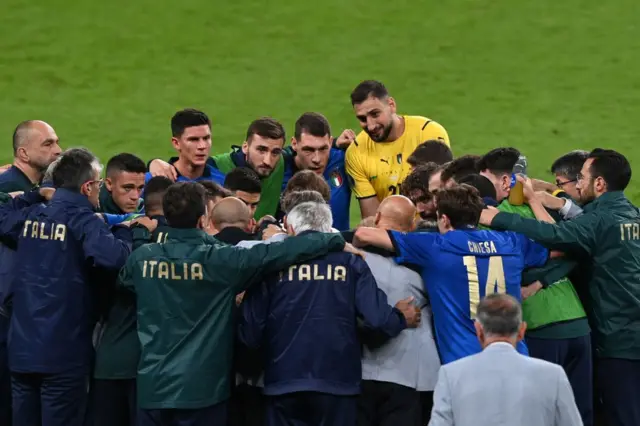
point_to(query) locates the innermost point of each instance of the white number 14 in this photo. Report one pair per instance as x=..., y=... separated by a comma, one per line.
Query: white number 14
x=495, y=280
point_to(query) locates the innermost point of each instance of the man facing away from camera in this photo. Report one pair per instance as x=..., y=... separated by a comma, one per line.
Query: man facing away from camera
x=305, y=321
x=499, y=386
x=185, y=294
x=399, y=375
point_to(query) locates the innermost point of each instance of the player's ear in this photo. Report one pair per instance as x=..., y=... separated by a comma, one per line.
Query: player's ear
x=290, y=230
x=176, y=144
x=376, y=220
x=245, y=147
x=294, y=143
x=522, y=331
x=109, y=184
x=479, y=332
x=392, y=104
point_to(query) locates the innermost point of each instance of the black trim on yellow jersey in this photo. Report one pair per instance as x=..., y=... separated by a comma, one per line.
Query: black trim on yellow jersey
x=368, y=196
x=426, y=124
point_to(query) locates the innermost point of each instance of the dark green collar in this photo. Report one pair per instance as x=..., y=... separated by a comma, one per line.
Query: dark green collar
x=607, y=198
x=107, y=205
x=190, y=235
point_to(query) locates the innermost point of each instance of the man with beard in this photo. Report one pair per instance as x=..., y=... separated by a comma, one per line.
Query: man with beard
x=416, y=188
x=35, y=147
x=606, y=239
x=376, y=161
x=261, y=151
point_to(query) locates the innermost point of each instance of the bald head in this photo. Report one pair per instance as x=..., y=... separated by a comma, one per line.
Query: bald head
x=36, y=144
x=230, y=211
x=397, y=213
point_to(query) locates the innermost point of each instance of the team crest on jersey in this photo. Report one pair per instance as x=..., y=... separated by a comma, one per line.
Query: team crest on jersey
x=399, y=158
x=336, y=179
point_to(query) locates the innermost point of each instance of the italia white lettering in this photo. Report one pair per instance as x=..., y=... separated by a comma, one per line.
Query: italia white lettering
x=172, y=271
x=44, y=231
x=482, y=247
x=318, y=272
x=629, y=231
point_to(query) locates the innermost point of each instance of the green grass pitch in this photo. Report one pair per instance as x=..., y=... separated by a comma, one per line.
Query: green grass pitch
x=545, y=76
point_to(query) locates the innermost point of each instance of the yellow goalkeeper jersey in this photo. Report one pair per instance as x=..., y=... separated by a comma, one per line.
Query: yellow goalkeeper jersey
x=378, y=168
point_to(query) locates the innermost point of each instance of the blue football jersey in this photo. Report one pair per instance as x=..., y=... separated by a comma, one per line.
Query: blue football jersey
x=336, y=176
x=459, y=268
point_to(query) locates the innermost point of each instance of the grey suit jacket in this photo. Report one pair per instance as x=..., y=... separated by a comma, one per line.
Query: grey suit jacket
x=499, y=387
x=411, y=358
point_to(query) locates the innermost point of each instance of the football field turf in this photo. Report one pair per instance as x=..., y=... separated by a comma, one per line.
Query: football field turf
x=545, y=76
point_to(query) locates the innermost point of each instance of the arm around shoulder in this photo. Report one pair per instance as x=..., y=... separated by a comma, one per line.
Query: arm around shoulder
x=98, y=241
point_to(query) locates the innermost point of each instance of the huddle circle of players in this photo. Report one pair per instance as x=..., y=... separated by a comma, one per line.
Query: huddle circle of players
x=376, y=165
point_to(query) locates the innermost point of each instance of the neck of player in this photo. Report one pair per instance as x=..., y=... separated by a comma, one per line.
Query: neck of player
x=188, y=170
x=30, y=172
x=398, y=128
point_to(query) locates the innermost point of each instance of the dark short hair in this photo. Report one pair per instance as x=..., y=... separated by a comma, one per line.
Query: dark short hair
x=368, y=88
x=418, y=179
x=243, y=179
x=265, y=127
x=612, y=166
x=570, y=164
x=432, y=151
x=188, y=117
x=183, y=204
x=292, y=199
x=73, y=169
x=460, y=167
x=154, y=190
x=125, y=163
x=214, y=190
x=20, y=134
x=308, y=180
x=462, y=205
x=312, y=123
x=499, y=161
x=482, y=184
x=499, y=315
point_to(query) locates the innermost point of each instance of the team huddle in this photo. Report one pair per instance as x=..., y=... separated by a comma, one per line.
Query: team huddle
x=232, y=289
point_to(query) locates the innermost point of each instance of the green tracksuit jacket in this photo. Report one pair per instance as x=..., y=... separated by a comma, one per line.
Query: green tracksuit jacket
x=607, y=239
x=185, y=293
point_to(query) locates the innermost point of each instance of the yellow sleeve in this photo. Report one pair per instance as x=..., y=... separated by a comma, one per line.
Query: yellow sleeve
x=434, y=131
x=355, y=166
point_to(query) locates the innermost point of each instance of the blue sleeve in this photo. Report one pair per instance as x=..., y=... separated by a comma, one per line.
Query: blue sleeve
x=253, y=317
x=14, y=213
x=534, y=254
x=98, y=242
x=372, y=304
x=413, y=247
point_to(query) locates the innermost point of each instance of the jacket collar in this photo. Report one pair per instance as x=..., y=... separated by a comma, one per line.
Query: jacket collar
x=107, y=205
x=207, y=172
x=607, y=198
x=500, y=347
x=233, y=235
x=71, y=197
x=162, y=221
x=238, y=157
x=190, y=235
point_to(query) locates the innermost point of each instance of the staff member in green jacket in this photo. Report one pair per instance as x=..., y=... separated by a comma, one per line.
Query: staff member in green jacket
x=606, y=239
x=185, y=293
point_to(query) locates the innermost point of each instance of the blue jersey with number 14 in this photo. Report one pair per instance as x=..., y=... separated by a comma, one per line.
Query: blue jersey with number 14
x=459, y=268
